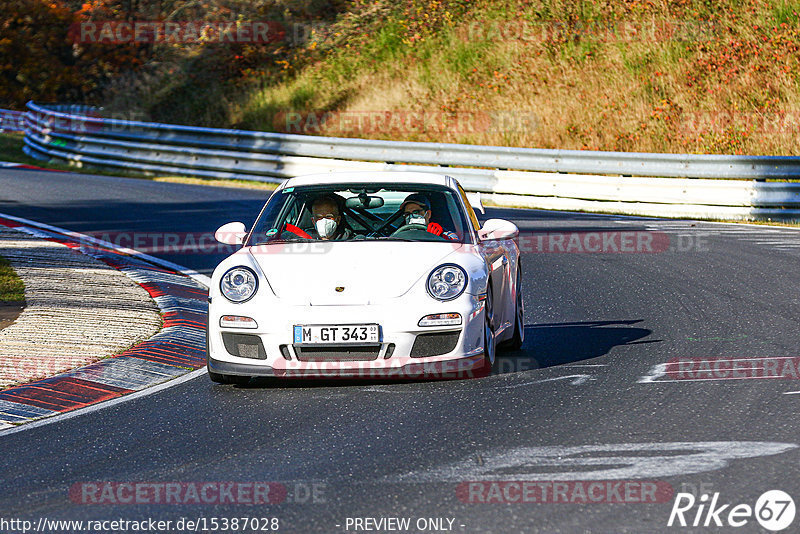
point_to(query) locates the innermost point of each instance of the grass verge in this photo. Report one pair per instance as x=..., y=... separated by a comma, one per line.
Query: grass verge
x=677, y=77
x=12, y=288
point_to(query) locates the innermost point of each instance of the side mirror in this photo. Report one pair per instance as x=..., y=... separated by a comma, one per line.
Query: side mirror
x=232, y=233
x=497, y=229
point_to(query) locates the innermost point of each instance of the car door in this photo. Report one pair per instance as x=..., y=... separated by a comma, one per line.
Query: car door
x=496, y=256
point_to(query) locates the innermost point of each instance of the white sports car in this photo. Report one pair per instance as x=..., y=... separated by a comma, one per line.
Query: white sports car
x=385, y=274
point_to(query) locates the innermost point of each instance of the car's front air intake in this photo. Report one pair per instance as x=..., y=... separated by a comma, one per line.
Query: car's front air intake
x=434, y=344
x=244, y=346
x=337, y=354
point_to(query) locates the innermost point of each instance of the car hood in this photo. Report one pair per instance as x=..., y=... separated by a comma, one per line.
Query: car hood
x=349, y=272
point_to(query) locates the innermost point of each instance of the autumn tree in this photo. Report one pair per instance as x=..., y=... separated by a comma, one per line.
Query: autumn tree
x=40, y=60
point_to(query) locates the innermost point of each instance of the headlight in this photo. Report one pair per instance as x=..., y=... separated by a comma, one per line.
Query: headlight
x=239, y=284
x=447, y=282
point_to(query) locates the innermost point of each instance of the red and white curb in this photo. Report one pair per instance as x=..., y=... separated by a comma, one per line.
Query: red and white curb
x=24, y=166
x=176, y=350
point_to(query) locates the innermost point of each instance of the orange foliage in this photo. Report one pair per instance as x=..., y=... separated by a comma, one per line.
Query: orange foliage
x=38, y=60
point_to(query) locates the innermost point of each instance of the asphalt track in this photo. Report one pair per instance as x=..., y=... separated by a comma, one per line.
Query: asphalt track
x=587, y=398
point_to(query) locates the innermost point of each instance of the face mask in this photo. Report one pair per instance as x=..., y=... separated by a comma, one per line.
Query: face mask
x=325, y=227
x=413, y=218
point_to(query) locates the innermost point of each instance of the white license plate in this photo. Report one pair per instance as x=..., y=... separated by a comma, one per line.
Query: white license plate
x=336, y=334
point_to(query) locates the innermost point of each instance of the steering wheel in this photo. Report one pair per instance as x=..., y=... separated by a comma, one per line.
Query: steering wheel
x=410, y=227
x=381, y=230
x=416, y=232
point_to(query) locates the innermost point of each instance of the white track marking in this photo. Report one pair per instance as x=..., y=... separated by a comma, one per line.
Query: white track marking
x=717, y=379
x=201, y=278
x=660, y=370
x=595, y=462
x=656, y=372
x=577, y=380
x=714, y=360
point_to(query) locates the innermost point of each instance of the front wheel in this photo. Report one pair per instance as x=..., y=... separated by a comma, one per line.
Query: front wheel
x=218, y=378
x=228, y=379
x=488, y=332
x=515, y=343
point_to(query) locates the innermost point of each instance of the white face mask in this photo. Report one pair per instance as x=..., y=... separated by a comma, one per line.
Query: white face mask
x=325, y=227
x=413, y=218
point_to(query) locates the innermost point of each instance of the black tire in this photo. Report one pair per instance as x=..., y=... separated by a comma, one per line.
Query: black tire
x=228, y=379
x=239, y=380
x=489, y=347
x=218, y=378
x=515, y=343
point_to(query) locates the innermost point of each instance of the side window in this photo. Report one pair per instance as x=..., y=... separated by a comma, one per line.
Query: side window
x=300, y=214
x=451, y=220
x=470, y=212
x=292, y=213
x=277, y=212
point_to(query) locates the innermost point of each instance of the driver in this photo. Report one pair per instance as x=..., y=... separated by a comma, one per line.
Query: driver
x=417, y=210
x=326, y=214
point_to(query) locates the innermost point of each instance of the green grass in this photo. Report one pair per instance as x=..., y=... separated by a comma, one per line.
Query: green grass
x=786, y=12
x=12, y=288
x=464, y=57
x=11, y=149
x=632, y=76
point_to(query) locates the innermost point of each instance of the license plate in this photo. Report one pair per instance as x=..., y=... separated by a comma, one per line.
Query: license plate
x=336, y=334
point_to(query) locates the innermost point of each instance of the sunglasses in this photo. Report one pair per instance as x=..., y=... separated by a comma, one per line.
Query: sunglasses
x=324, y=216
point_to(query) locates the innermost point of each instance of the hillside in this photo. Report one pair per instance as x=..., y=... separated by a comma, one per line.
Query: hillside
x=698, y=76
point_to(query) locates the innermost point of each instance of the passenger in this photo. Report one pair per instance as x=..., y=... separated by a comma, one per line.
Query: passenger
x=326, y=214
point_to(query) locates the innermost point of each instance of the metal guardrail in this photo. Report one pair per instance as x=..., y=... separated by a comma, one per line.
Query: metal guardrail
x=718, y=186
x=12, y=121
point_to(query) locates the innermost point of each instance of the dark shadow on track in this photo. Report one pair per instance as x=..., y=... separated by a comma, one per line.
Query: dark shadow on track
x=546, y=345
x=550, y=344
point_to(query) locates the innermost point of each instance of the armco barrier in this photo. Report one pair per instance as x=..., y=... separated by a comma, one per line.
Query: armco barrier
x=12, y=121
x=681, y=185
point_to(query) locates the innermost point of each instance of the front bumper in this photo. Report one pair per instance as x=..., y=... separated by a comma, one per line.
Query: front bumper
x=393, y=359
x=467, y=367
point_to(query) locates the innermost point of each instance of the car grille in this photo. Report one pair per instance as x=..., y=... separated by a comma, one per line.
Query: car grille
x=337, y=354
x=244, y=346
x=434, y=344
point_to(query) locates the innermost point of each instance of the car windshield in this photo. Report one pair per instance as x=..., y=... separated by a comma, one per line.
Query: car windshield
x=359, y=212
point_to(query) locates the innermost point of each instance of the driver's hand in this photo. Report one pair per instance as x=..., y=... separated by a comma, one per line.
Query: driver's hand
x=435, y=228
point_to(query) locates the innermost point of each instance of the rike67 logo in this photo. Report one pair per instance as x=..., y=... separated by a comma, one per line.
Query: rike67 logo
x=774, y=510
